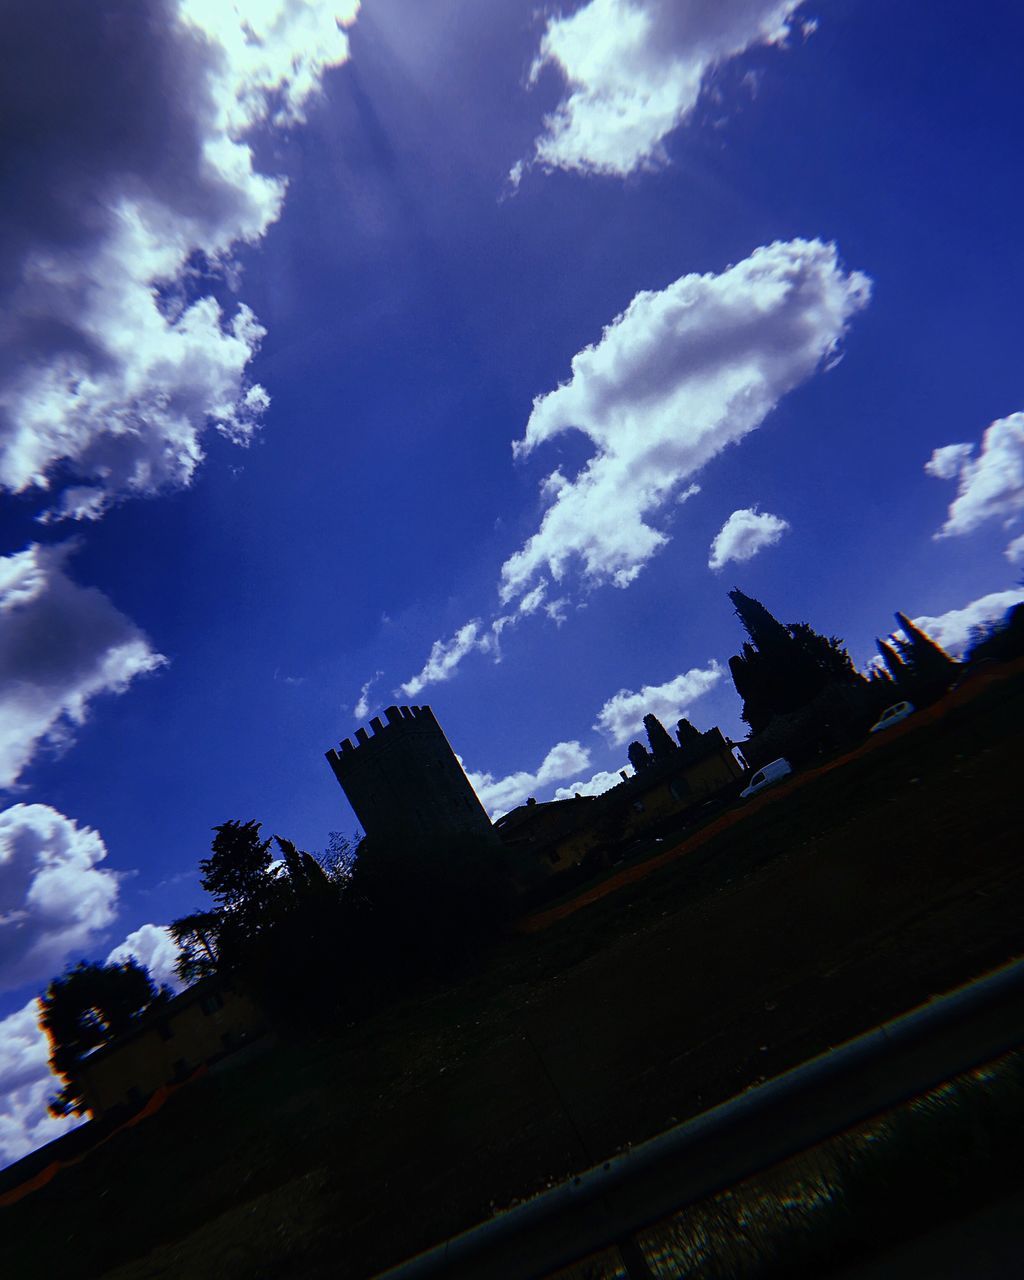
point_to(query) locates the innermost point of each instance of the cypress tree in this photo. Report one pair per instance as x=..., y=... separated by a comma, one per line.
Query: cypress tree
x=776, y=673
x=686, y=733
x=659, y=738
x=638, y=757
x=898, y=670
x=927, y=659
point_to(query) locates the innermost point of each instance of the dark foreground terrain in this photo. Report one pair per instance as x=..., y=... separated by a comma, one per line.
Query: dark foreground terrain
x=839, y=901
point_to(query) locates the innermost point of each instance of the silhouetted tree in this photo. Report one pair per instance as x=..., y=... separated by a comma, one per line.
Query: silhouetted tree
x=339, y=858
x=639, y=757
x=775, y=673
x=687, y=734
x=929, y=663
x=237, y=876
x=998, y=641
x=898, y=671
x=659, y=737
x=86, y=1007
x=197, y=936
x=305, y=877
x=828, y=653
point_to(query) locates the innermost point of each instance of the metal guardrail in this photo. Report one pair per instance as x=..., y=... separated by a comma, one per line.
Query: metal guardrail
x=607, y=1204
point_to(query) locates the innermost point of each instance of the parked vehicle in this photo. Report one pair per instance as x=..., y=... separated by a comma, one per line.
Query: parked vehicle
x=767, y=777
x=892, y=715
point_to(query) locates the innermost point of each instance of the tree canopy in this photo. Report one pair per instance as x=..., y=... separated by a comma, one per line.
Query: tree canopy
x=86, y=1007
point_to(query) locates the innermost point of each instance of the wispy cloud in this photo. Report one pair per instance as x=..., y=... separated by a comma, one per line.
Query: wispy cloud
x=363, y=705
x=445, y=657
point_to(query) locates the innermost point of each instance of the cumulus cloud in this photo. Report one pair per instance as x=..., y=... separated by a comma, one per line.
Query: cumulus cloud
x=26, y=1084
x=152, y=946
x=499, y=795
x=744, y=534
x=594, y=786
x=633, y=71
x=61, y=645
x=952, y=630
x=681, y=374
x=132, y=184
x=622, y=716
x=55, y=899
x=990, y=485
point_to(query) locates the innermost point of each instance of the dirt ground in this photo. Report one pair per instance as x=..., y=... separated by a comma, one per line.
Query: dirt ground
x=841, y=902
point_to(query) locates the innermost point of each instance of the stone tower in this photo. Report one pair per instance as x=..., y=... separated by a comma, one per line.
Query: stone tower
x=404, y=782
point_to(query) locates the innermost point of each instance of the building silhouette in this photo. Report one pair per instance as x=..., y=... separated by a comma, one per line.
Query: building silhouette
x=405, y=783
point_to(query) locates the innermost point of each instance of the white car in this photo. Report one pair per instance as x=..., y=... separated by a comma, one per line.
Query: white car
x=892, y=715
x=767, y=777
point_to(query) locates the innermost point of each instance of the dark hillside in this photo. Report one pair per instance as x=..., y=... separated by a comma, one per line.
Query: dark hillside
x=846, y=899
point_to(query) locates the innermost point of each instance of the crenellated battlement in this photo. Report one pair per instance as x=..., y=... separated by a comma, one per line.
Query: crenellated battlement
x=400, y=720
x=403, y=779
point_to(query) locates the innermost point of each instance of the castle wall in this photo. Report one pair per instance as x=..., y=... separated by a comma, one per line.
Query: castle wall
x=404, y=782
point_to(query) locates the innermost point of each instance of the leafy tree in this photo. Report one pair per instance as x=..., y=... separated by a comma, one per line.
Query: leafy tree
x=198, y=939
x=639, y=757
x=237, y=875
x=339, y=858
x=828, y=653
x=659, y=737
x=86, y=1007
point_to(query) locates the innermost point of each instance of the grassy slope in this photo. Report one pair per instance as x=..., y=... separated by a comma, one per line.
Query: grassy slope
x=842, y=902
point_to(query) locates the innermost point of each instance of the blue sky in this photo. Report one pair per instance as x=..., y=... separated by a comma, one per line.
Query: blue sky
x=445, y=351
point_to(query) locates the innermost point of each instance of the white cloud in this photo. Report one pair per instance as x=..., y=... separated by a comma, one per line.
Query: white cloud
x=951, y=630
x=363, y=707
x=990, y=486
x=55, y=899
x=499, y=795
x=118, y=243
x=681, y=374
x=744, y=534
x=622, y=716
x=61, y=645
x=634, y=70
x=1015, y=550
x=595, y=786
x=445, y=656
x=152, y=946
x=26, y=1084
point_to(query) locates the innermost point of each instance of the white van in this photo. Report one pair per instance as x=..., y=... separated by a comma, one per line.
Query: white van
x=767, y=777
